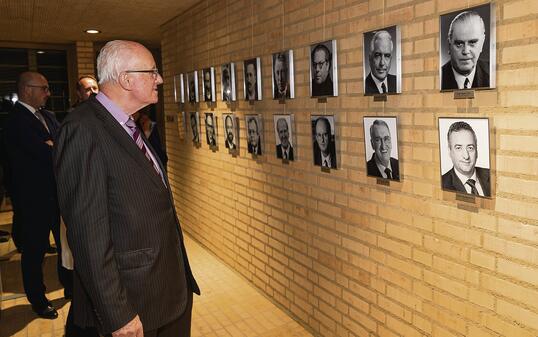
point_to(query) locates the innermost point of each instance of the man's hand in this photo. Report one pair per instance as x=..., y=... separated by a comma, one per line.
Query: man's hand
x=49, y=143
x=131, y=329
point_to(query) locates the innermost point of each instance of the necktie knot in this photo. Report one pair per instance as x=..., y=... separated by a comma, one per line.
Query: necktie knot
x=383, y=88
x=467, y=83
x=472, y=183
x=388, y=172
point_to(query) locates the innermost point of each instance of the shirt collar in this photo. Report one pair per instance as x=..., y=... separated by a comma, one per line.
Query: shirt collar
x=378, y=83
x=27, y=106
x=381, y=167
x=460, y=79
x=121, y=116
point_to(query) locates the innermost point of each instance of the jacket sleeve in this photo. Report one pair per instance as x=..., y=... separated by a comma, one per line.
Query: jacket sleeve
x=81, y=176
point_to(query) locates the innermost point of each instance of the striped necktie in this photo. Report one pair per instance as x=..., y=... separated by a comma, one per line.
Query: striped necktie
x=140, y=143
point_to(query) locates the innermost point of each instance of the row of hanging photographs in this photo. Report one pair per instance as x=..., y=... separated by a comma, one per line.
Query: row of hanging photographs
x=466, y=61
x=462, y=169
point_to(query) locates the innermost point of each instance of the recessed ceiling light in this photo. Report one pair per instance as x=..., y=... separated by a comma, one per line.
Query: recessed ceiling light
x=40, y=52
x=92, y=31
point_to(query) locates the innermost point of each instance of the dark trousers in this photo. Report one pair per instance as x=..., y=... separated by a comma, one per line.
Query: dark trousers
x=72, y=330
x=180, y=327
x=35, y=244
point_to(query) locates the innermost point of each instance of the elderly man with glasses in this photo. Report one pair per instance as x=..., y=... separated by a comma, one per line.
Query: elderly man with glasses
x=132, y=274
x=30, y=135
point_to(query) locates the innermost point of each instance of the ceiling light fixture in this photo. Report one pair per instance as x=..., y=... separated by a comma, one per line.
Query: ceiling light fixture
x=92, y=31
x=40, y=52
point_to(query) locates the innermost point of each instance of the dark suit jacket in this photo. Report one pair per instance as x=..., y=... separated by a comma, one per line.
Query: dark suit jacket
x=450, y=181
x=373, y=170
x=324, y=89
x=33, y=187
x=317, y=154
x=258, y=150
x=155, y=141
x=481, y=76
x=371, y=88
x=121, y=226
x=279, y=152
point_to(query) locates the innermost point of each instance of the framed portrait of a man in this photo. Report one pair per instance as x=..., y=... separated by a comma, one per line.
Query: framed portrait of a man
x=211, y=129
x=208, y=87
x=381, y=147
x=227, y=82
x=253, y=79
x=465, y=159
x=192, y=87
x=284, y=144
x=282, y=72
x=254, y=124
x=182, y=126
x=382, y=61
x=194, y=119
x=179, y=92
x=323, y=69
x=231, y=132
x=324, y=141
x=467, y=56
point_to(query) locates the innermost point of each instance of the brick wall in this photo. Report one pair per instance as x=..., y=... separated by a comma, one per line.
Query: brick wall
x=85, y=58
x=344, y=255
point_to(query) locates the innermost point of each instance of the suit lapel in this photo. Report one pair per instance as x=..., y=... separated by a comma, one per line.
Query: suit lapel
x=31, y=118
x=124, y=140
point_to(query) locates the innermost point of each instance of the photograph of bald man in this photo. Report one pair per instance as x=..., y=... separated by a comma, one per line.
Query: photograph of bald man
x=382, y=61
x=465, y=58
x=461, y=168
x=323, y=141
x=283, y=137
x=382, y=154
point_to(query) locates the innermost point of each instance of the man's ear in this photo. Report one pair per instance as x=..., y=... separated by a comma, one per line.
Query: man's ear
x=125, y=81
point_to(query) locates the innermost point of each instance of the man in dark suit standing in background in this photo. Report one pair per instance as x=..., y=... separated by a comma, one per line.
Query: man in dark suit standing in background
x=30, y=135
x=132, y=274
x=464, y=176
x=382, y=164
x=465, y=70
x=379, y=81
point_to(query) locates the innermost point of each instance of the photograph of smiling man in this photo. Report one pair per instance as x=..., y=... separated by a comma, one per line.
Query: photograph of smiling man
x=467, y=48
x=381, y=142
x=382, y=61
x=464, y=151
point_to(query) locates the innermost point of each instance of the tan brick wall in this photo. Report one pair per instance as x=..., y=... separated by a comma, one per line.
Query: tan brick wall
x=85, y=58
x=343, y=255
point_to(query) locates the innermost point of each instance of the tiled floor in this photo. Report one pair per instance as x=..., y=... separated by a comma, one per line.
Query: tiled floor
x=228, y=307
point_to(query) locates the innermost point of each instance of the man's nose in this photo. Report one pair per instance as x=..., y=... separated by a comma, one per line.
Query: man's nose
x=466, y=48
x=465, y=154
x=383, y=61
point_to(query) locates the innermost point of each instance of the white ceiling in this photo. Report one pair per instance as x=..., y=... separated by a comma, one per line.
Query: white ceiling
x=64, y=21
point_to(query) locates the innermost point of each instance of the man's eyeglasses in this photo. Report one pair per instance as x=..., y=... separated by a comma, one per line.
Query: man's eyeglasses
x=154, y=72
x=45, y=88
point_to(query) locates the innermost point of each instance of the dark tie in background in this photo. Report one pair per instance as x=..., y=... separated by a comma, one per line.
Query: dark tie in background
x=383, y=88
x=388, y=173
x=471, y=182
x=39, y=115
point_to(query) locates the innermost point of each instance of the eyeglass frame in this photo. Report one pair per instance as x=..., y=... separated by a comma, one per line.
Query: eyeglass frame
x=154, y=72
x=45, y=88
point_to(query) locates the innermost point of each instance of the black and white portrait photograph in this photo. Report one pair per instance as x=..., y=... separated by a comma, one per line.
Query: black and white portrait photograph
x=323, y=69
x=253, y=79
x=381, y=147
x=382, y=61
x=282, y=124
x=324, y=141
x=254, y=124
x=464, y=152
x=182, y=127
x=283, y=81
x=231, y=138
x=467, y=54
x=192, y=87
x=208, y=87
x=227, y=84
x=179, y=91
x=210, y=129
x=195, y=127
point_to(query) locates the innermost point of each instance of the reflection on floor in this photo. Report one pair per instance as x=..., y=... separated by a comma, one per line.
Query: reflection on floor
x=228, y=307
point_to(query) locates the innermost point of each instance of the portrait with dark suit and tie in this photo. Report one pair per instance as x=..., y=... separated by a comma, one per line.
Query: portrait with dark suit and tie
x=283, y=137
x=324, y=141
x=192, y=87
x=323, y=69
x=194, y=119
x=132, y=274
x=381, y=147
x=466, y=52
x=464, y=151
x=227, y=82
x=230, y=132
x=382, y=61
x=254, y=134
x=210, y=129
